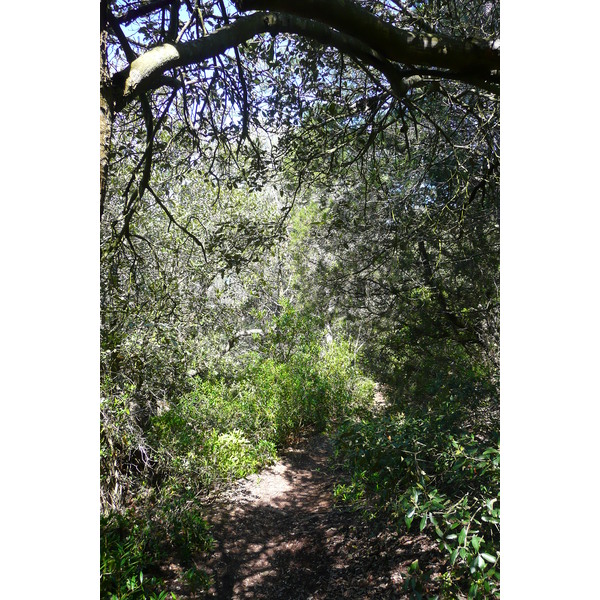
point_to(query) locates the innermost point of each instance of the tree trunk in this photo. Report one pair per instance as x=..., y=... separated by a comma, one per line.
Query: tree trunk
x=106, y=107
x=106, y=120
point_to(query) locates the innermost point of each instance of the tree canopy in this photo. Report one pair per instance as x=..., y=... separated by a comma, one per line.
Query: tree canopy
x=215, y=61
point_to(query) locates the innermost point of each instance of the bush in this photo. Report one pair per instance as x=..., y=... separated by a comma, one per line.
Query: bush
x=124, y=557
x=124, y=450
x=211, y=435
x=235, y=456
x=131, y=545
x=121, y=558
x=422, y=469
x=224, y=430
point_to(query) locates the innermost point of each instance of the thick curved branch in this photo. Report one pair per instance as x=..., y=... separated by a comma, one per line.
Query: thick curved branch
x=398, y=45
x=143, y=74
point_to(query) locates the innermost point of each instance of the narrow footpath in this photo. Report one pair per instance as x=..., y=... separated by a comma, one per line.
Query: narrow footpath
x=279, y=535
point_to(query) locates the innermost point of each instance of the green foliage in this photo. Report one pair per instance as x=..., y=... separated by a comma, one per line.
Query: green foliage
x=197, y=579
x=131, y=545
x=178, y=518
x=121, y=558
x=444, y=372
x=210, y=435
x=375, y=211
x=124, y=556
x=221, y=430
x=427, y=474
x=317, y=384
x=229, y=426
x=235, y=456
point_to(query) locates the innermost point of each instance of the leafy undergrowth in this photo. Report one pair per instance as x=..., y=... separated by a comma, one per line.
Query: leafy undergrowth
x=428, y=474
x=156, y=476
x=131, y=546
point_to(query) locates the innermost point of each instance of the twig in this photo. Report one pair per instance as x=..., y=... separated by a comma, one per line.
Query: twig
x=174, y=221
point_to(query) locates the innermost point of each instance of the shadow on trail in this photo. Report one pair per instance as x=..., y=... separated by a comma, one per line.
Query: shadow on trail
x=283, y=538
x=276, y=546
x=267, y=564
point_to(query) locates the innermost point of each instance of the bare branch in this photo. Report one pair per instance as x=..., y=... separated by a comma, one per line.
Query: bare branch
x=238, y=60
x=178, y=225
x=173, y=20
x=141, y=11
x=130, y=54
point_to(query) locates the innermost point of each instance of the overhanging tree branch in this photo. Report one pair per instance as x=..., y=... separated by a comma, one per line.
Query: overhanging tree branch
x=146, y=9
x=143, y=73
x=399, y=45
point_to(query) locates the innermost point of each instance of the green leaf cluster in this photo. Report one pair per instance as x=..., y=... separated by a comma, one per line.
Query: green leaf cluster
x=427, y=474
x=224, y=428
x=128, y=549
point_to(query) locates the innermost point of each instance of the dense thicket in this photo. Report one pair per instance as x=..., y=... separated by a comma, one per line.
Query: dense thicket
x=296, y=204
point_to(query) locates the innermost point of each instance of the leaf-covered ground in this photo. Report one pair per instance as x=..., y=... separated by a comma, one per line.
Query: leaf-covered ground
x=279, y=534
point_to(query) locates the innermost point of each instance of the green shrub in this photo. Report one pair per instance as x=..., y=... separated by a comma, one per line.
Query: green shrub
x=179, y=519
x=424, y=471
x=235, y=456
x=121, y=558
x=124, y=558
x=213, y=434
x=219, y=430
x=131, y=545
x=309, y=390
x=125, y=460
x=363, y=392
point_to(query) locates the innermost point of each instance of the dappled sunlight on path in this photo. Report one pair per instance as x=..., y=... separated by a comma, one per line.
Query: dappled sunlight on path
x=279, y=535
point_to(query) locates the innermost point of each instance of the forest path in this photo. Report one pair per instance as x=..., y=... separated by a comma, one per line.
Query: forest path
x=279, y=535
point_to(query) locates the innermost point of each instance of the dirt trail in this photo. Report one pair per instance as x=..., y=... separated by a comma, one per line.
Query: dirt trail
x=280, y=535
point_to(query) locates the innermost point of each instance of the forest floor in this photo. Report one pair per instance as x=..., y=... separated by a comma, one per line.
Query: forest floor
x=280, y=535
